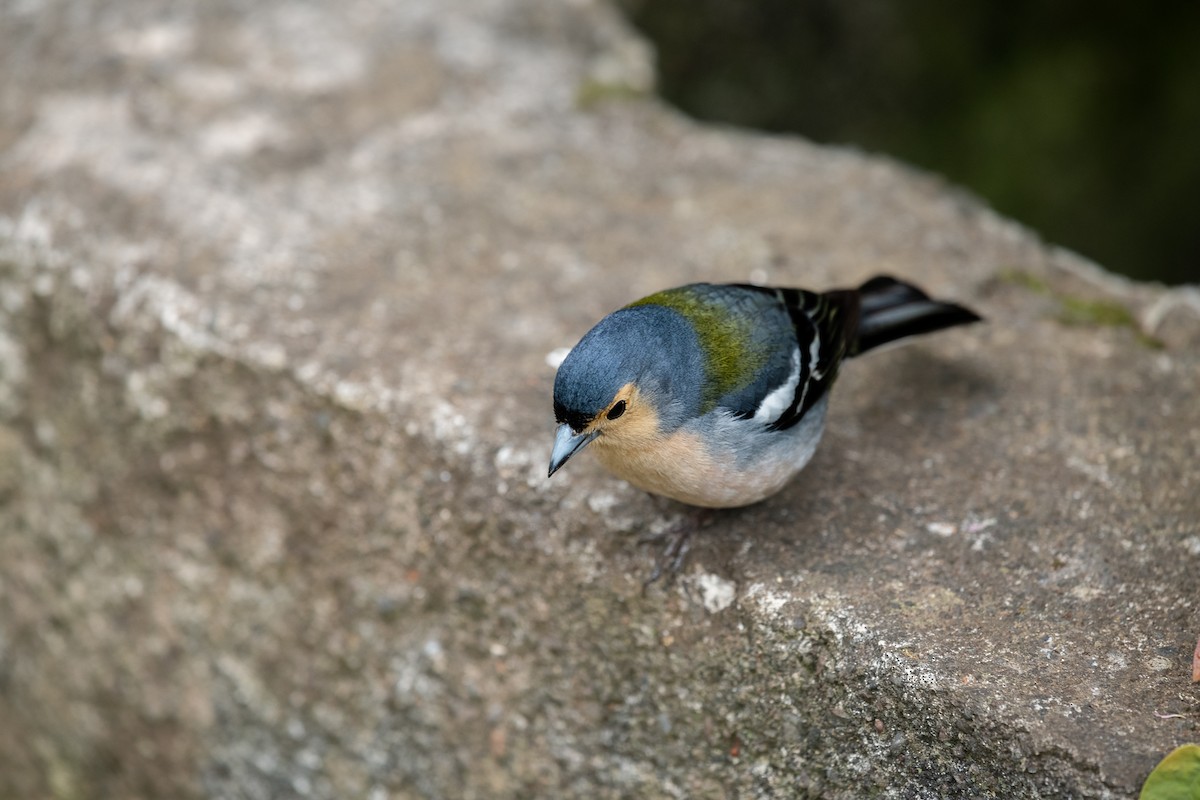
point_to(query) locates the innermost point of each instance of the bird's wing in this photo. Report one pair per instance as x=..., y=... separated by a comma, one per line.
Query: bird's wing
x=770, y=353
x=819, y=330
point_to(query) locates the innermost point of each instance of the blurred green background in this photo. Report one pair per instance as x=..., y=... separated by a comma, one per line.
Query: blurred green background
x=1079, y=118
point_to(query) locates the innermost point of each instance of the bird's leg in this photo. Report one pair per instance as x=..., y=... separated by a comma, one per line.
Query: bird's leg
x=678, y=544
x=672, y=558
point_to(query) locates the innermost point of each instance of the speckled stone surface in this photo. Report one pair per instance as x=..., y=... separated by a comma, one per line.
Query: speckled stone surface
x=278, y=286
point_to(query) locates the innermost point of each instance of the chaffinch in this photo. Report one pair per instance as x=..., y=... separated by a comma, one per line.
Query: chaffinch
x=715, y=395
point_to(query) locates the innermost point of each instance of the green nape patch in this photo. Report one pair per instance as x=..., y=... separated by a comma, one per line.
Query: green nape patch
x=591, y=94
x=1177, y=777
x=1080, y=311
x=732, y=360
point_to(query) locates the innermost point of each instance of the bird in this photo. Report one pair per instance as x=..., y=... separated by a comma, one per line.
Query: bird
x=715, y=395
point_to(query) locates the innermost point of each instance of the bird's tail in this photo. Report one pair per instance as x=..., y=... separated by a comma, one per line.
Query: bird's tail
x=890, y=309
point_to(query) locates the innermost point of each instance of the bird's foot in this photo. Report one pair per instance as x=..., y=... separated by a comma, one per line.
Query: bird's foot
x=672, y=558
x=674, y=554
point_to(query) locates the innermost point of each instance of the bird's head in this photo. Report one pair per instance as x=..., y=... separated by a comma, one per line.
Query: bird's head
x=631, y=380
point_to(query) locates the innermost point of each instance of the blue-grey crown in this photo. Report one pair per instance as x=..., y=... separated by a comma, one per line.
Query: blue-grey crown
x=652, y=347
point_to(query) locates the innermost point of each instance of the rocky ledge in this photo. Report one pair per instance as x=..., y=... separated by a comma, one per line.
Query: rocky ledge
x=279, y=283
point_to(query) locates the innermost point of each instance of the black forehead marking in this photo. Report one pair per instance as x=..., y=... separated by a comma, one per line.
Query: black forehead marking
x=576, y=419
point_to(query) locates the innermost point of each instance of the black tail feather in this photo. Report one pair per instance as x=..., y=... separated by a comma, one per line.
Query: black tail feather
x=891, y=310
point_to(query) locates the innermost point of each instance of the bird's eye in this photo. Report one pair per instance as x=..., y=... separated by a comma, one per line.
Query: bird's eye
x=617, y=410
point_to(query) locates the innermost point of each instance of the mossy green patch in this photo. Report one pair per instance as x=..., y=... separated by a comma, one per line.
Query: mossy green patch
x=1109, y=313
x=730, y=356
x=1025, y=280
x=591, y=94
x=1080, y=311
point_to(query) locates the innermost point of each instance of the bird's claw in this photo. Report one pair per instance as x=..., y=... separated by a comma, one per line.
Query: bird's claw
x=671, y=560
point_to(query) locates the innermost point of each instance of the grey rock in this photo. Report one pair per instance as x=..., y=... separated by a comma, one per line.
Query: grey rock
x=278, y=285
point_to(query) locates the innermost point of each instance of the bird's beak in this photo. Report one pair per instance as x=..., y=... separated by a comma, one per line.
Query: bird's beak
x=566, y=444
